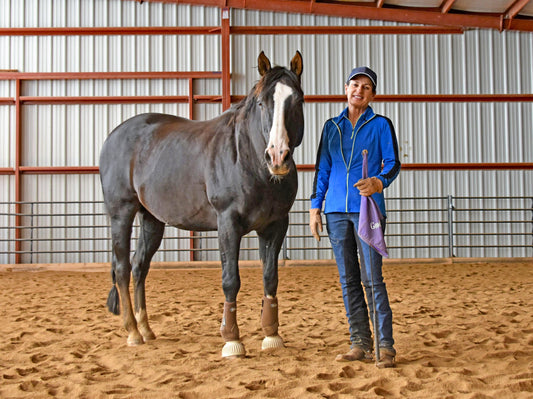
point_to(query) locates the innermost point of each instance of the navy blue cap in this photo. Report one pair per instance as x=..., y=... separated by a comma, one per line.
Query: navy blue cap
x=363, y=71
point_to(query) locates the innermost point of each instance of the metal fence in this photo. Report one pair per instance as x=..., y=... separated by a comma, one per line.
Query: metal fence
x=432, y=227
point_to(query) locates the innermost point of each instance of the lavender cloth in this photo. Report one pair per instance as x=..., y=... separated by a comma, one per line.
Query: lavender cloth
x=370, y=228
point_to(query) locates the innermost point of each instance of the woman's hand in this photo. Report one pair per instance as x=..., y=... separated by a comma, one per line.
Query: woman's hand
x=315, y=222
x=369, y=186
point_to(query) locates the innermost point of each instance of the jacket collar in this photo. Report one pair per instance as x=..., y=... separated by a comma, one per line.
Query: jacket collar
x=367, y=115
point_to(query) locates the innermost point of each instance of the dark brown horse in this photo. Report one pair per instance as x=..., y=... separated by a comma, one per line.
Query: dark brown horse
x=234, y=173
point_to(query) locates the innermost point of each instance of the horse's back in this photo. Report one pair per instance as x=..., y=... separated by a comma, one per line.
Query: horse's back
x=119, y=150
x=126, y=135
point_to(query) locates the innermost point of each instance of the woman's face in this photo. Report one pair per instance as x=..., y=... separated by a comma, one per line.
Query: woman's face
x=359, y=91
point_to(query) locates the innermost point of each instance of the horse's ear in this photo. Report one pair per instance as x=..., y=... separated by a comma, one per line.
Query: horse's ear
x=263, y=63
x=297, y=64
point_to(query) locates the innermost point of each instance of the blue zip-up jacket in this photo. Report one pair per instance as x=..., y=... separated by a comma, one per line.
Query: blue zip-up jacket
x=339, y=163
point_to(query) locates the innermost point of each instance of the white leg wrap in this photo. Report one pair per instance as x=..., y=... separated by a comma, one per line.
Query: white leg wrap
x=273, y=341
x=233, y=349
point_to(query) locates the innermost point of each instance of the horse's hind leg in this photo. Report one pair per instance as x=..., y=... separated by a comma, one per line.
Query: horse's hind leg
x=150, y=236
x=122, y=218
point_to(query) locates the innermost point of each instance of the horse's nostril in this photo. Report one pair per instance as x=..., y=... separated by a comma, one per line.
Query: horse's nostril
x=277, y=157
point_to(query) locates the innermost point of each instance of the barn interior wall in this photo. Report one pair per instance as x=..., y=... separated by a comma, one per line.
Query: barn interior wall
x=476, y=62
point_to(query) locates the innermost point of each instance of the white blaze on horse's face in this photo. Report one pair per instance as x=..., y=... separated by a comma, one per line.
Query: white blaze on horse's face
x=278, y=144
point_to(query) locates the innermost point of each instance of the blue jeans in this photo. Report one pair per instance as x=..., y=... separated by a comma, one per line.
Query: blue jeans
x=342, y=231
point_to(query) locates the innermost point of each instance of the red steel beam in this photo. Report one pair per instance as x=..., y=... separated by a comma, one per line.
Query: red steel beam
x=451, y=166
x=108, y=75
x=18, y=163
x=77, y=170
x=440, y=98
x=117, y=99
x=415, y=16
x=445, y=7
x=422, y=98
x=7, y=101
x=515, y=8
x=58, y=170
x=311, y=98
x=192, y=242
x=208, y=99
x=470, y=166
x=190, y=99
x=517, y=24
x=359, y=11
x=508, y=20
x=226, y=64
x=239, y=30
x=344, y=30
x=111, y=30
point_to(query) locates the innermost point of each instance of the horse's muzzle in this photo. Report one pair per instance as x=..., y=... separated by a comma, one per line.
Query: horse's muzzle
x=278, y=161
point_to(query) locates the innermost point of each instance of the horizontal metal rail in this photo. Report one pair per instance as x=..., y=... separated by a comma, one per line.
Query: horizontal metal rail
x=51, y=232
x=235, y=30
x=53, y=170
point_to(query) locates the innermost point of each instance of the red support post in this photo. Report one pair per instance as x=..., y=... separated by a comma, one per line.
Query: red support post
x=192, y=241
x=191, y=99
x=226, y=74
x=18, y=186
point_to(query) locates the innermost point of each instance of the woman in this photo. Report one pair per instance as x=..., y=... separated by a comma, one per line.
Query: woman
x=338, y=173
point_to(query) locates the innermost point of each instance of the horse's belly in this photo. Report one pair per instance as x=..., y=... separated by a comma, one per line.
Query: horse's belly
x=182, y=206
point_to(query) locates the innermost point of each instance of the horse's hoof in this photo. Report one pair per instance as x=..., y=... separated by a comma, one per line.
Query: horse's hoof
x=135, y=339
x=233, y=349
x=273, y=341
x=148, y=336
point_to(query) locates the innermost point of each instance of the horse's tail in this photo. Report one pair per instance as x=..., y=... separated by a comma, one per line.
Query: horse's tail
x=113, y=299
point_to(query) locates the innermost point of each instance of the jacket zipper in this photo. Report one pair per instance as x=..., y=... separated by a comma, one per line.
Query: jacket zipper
x=354, y=136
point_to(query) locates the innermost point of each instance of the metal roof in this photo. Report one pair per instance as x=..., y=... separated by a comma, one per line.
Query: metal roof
x=494, y=14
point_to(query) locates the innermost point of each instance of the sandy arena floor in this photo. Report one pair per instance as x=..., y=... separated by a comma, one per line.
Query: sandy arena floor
x=463, y=330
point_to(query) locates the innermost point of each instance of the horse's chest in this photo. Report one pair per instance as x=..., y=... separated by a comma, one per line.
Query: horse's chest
x=269, y=205
x=250, y=193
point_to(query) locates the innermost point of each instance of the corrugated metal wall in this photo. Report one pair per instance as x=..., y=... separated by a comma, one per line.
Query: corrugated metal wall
x=477, y=62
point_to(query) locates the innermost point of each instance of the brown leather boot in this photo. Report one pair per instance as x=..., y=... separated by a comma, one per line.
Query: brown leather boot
x=269, y=316
x=356, y=353
x=229, y=329
x=387, y=358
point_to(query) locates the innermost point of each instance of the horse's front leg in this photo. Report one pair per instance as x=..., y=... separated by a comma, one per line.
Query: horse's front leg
x=229, y=236
x=270, y=242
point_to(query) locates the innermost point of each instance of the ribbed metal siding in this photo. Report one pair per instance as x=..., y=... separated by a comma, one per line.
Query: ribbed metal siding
x=7, y=135
x=476, y=62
